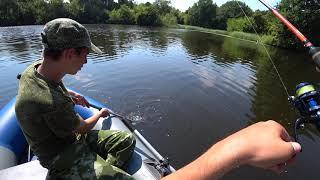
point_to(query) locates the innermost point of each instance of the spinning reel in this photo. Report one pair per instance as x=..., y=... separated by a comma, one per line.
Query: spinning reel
x=307, y=102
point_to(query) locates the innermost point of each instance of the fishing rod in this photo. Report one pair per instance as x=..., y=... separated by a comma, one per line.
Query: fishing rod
x=313, y=51
x=306, y=99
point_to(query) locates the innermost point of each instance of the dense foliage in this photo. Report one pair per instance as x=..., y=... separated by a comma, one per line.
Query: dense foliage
x=204, y=13
x=147, y=15
x=25, y=12
x=240, y=24
x=231, y=9
x=305, y=15
x=123, y=15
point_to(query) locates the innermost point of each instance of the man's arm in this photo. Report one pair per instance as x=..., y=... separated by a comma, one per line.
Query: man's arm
x=266, y=145
x=88, y=124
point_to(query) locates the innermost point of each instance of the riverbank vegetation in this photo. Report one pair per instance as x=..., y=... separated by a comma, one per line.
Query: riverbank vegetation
x=228, y=19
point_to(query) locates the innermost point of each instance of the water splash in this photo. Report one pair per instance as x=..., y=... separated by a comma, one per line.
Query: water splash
x=135, y=119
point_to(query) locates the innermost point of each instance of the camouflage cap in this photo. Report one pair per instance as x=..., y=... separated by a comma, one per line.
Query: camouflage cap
x=63, y=33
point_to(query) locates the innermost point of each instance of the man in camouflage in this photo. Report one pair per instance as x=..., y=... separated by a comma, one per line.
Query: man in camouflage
x=62, y=140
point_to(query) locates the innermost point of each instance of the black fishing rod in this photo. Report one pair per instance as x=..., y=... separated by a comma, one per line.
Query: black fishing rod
x=306, y=99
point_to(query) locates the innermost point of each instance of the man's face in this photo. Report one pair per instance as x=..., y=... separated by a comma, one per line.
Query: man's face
x=76, y=60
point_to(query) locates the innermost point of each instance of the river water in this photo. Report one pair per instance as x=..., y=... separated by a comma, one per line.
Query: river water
x=187, y=89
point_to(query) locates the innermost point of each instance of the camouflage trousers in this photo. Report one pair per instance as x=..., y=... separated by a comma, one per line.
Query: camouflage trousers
x=96, y=155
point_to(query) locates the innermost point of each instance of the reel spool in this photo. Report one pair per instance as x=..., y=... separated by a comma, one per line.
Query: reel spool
x=307, y=102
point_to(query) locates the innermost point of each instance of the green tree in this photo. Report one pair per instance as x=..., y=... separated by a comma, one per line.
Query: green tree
x=123, y=15
x=179, y=15
x=257, y=20
x=147, y=15
x=305, y=15
x=163, y=6
x=74, y=8
x=26, y=13
x=108, y=4
x=260, y=21
x=231, y=9
x=56, y=9
x=241, y=24
x=93, y=11
x=125, y=2
x=202, y=13
x=31, y=12
x=8, y=12
x=193, y=15
x=169, y=19
x=186, y=18
x=40, y=8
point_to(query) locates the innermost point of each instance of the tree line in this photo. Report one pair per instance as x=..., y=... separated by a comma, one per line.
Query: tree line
x=305, y=15
x=204, y=13
x=28, y=12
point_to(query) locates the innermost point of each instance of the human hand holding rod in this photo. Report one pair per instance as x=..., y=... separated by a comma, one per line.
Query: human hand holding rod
x=265, y=144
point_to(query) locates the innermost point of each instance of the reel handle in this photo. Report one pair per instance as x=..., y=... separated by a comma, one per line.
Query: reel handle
x=299, y=123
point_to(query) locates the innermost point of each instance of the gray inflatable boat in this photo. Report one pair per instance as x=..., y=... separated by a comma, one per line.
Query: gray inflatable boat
x=17, y=162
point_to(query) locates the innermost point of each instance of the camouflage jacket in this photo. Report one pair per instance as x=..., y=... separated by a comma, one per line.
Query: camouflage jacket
x=45, y=112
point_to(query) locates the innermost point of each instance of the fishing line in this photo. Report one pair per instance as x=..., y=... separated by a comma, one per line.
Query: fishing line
x=260, y=42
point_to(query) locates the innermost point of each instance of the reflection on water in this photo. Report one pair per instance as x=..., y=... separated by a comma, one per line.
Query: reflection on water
x=185, y=89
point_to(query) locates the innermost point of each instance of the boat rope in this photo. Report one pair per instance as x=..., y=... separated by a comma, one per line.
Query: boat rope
x=264, y=47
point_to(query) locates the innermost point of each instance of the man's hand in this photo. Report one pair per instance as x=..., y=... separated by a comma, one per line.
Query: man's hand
x=86, y=125
x=266, y=145
x=80, y=100
x=104, y=112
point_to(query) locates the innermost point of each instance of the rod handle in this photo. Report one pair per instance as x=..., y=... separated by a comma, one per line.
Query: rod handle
x=315, y=53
